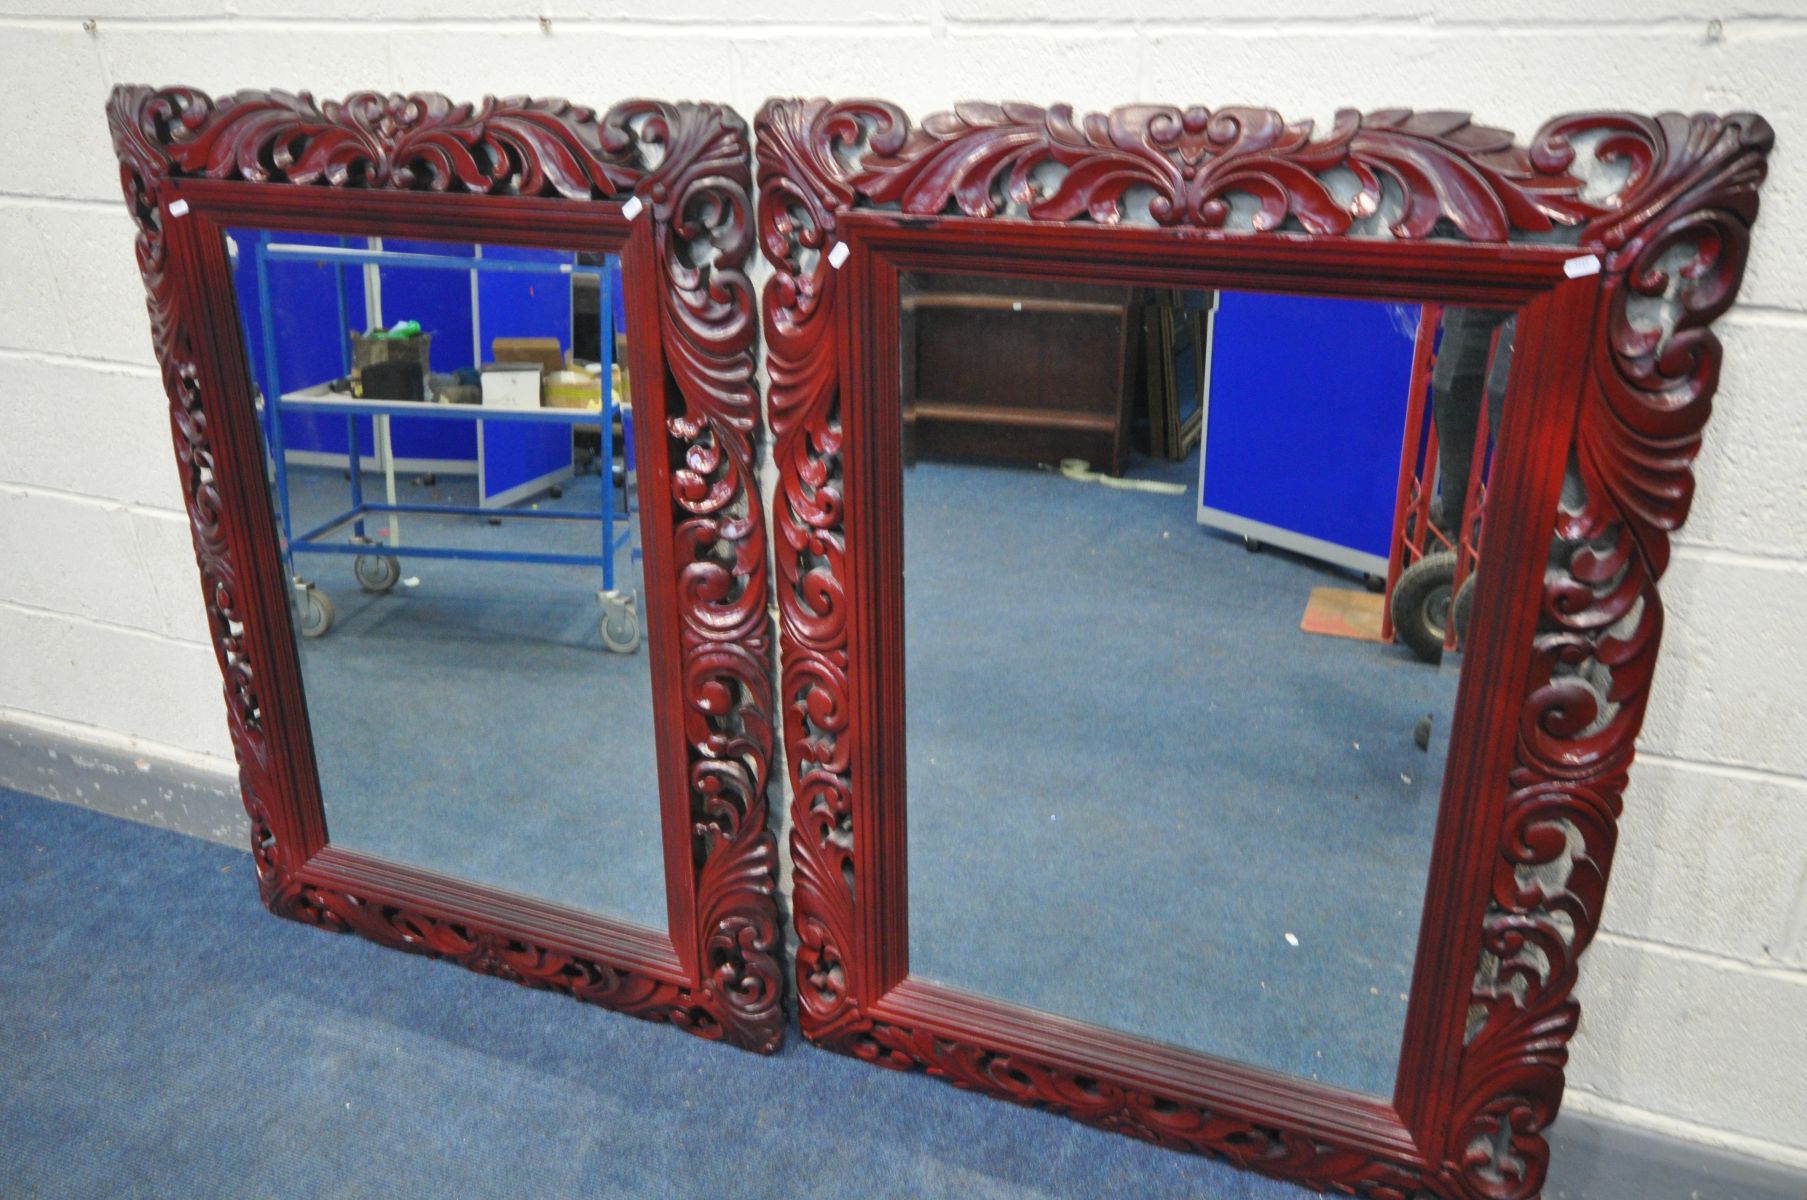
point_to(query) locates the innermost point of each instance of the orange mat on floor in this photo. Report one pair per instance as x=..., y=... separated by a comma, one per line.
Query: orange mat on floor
x=1344, y=612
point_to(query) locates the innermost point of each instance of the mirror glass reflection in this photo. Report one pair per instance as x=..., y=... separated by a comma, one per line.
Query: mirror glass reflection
x=447, y=432
x=1184, y=573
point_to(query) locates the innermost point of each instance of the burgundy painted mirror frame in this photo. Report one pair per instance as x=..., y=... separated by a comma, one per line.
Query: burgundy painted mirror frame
x=528, y=172
x=1388, y=204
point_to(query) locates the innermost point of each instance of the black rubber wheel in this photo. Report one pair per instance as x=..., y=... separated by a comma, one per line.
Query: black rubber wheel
x=1422, y=600
x=1374, y=583
x=1463, y=609
x=1252, y=545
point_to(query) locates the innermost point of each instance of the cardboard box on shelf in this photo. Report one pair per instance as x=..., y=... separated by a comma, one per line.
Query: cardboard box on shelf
x=511, y=385
x=543, y=352
x=573, y=389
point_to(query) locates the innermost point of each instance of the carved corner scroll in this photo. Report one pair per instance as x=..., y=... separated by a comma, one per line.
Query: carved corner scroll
x=689, y=164
x=1673, y=231
x=1676, y=234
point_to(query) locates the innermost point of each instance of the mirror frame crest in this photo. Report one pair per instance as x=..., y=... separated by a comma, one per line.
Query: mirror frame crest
x=533, y=172
x=1387, y=204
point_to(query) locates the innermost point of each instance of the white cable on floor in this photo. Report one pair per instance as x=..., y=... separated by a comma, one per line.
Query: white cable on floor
x=1079, y=470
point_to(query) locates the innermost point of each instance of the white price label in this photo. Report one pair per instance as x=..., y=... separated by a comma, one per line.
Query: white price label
x=1580, y=268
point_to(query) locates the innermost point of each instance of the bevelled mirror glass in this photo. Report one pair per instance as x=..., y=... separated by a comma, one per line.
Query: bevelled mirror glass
x=447, y=432
x=1185, y=578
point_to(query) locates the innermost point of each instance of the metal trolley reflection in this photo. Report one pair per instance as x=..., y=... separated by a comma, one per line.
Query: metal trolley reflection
x=375, y=560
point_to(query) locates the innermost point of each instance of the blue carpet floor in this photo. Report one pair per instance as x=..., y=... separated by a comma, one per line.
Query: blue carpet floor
x=161, y=1035
x=1139, y=795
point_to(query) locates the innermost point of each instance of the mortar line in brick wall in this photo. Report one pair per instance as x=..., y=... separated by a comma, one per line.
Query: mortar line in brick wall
x=1767, y=316
x=1419, y=26
x=1592, y=1103
x=31, y=200
x=1686, y=551
x=1742, y=774
x=1776, y=972
x=86, y=500
x=526, y=22
x=108, y=739
x=108, y=366
x=32, y=610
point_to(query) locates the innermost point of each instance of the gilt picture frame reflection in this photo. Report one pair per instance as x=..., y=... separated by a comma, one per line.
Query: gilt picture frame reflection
x=1582, y=235
x=436, y=205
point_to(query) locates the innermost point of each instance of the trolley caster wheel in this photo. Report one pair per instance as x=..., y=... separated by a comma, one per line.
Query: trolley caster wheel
x=1422, y=604
x=1374, y=583
x=620, y=622
x=1463, y=609
x=315, y=610
x=376, y=572
x=1252, y=545
x=556, y=492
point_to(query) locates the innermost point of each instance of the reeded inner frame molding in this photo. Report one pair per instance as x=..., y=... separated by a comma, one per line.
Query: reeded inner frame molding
x=1612, y=386
x=520, y=172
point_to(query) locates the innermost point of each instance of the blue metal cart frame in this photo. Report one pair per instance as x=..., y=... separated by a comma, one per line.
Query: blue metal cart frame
x=620, y=620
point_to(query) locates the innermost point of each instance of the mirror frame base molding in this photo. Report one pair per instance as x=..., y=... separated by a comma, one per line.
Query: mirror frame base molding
x=423, y=166
x=1390, y=204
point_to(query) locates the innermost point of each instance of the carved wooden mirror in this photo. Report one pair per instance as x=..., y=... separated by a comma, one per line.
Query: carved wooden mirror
x=464, y=409
x=1285, y=857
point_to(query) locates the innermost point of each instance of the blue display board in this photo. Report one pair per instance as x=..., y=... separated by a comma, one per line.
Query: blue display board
x=1304, y=421
x=524, y=305
x=519, y=460
x=315, y=306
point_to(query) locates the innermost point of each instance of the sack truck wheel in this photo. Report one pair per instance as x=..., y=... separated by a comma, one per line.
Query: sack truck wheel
x=1462, y=610
x=620, y=622
x=376, y=572
x=1422, y=602
x=315, y=610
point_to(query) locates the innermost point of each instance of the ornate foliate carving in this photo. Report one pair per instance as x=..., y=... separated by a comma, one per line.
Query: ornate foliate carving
x=689, y=163
x=1414, y=175
x=1678, y=235
x=1673, y=230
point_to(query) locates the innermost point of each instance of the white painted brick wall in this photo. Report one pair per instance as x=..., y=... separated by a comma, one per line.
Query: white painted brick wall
x=1696, y=992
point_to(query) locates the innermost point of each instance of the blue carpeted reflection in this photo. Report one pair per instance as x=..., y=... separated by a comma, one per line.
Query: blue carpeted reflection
x=1139, y=795
x=161, y=1036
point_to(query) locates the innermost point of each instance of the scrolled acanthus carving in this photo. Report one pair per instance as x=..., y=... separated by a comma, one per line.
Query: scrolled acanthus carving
x=1673, y=230
x=1678, y=234
x=689, y=163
